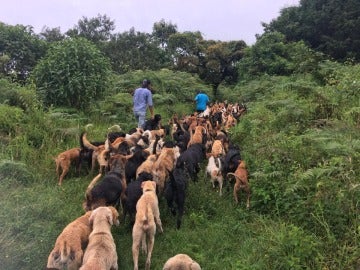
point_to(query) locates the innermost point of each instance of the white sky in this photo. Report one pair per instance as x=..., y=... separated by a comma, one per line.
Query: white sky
x=219, y=20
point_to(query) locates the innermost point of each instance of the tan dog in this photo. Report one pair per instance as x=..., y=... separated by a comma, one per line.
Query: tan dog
x=101, y=253
x=241, y=177
x=70, y=245
x=147, y=216
x=164, y=164
x=197, y=136
x=217, y=149
x=147, y=165
x=181, y=262
x=64, y=160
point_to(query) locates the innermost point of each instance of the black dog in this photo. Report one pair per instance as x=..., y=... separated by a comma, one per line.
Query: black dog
x=133, y=193
x=108, y=190
x=191, y=158
x=139, y=156
x=153, y=124
x=231, y=159
x=175, y=191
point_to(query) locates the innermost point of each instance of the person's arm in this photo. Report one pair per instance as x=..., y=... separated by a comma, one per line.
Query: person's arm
x=151, y=109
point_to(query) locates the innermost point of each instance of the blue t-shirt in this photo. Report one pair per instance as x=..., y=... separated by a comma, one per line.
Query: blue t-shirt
x=141, y=99
x=201, y=101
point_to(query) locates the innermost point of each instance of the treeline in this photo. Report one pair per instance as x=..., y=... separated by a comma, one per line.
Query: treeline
x=295, y=42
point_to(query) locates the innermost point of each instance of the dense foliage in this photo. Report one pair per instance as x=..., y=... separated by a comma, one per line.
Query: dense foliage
x=330, y=26
x=300, y=138
x=73, y=73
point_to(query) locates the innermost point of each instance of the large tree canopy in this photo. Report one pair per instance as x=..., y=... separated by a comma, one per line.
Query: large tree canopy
x=94, y=29
x=331, y=26
x=73, y=73
x=20, y=49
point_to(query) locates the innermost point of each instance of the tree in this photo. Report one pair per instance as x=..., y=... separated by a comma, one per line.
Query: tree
x=134, y=50
x=52, y=35
x=162, y=32
x=330, y=26
x=94, y=29
x=219, y=63
x=186, y=50
x=73, y=73
x=22, y=49
x=273, y=55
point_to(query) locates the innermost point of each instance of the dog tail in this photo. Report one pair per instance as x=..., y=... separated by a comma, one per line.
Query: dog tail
x=84, y=142
x=65, y=253
x=233, y=174
x=91, y=185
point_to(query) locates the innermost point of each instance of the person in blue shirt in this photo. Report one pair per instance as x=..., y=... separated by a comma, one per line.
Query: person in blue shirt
x=142, y=99
x=201, y=100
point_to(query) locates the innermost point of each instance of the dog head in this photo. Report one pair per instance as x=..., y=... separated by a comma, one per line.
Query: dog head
x=108, y=212
x=148, y=186
x=157, y=118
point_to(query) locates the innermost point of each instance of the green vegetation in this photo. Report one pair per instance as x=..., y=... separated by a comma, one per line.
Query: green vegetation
x=301, y=142
x=300, y=136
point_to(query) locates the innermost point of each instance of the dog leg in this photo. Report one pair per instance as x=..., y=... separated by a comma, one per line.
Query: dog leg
x=220, y=181
x=65, y=169
x=137, y=236
x=236, y=190
x=150, y=248
x=157, y=219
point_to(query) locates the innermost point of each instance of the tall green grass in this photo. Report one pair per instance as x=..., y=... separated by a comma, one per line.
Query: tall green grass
x=300, y=140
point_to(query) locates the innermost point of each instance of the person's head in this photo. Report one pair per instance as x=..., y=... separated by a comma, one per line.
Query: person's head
x=146, y=83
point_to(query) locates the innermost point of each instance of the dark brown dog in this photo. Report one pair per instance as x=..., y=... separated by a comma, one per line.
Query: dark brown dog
x=241, y=177
x=64, y=161
x=70, y=245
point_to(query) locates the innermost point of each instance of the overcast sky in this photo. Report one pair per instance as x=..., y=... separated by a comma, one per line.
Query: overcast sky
x=219, y=20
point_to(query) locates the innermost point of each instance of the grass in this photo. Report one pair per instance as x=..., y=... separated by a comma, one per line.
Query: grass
x=215, y=232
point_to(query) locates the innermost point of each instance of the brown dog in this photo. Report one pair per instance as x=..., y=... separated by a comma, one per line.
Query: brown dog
x=147, y=165
x=101, y=253
x=147, y=216
x=241, y=177
x=164, y=164
x=70, y=245
x=181, y=262
x=197, y=136
x=64, y=161
x=217, y=149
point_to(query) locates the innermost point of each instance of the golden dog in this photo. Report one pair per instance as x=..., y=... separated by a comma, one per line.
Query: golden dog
x=70, y=245
x=147, y=217
x=164, y=164
x=147, y=165
x=64, y=160
x=100, y=253
x=181, y=262
x=217, y=149
x=197, y=135
x=241, y=177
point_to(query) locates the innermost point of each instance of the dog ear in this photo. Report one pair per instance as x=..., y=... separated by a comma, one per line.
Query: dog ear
x=91, y=219
x=109, y=217
x=154, y=184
